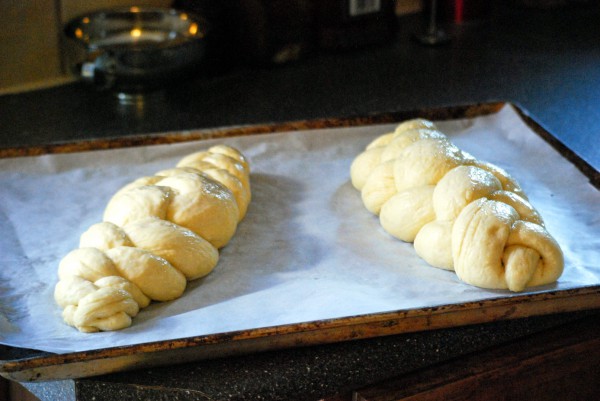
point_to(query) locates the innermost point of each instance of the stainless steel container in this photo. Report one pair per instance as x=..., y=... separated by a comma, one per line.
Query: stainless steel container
x=136, y=50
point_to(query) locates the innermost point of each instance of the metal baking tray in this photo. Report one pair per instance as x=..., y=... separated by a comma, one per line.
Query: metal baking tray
x=24, y=365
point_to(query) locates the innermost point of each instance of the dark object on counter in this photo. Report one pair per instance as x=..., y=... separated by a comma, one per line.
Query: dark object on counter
x=254, y=32
x=275, y=31
x=272, y=32
x=136, y=50
x=346, y=24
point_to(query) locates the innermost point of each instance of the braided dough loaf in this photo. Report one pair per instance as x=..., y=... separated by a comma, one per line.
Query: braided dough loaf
x=158, y=233
x=461, y=213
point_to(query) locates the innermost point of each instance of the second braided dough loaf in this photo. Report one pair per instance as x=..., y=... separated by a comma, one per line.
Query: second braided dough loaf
x=461, y=213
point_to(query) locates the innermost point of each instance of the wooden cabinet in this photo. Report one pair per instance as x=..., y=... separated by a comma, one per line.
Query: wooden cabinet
x=560, y=364
x=12, y=391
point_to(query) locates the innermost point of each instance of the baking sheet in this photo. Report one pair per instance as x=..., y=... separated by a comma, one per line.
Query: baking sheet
x=307, y=250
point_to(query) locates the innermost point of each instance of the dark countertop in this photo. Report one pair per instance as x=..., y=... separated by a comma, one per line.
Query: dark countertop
x=545, y=61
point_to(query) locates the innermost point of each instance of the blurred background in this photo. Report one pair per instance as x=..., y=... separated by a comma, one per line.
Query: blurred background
x=35, y=51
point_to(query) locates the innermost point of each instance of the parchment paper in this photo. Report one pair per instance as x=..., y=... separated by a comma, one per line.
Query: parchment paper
x=307, y=250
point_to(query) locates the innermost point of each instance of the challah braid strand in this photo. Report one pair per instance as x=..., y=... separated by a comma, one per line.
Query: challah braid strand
x=208, y=193
x=518, y=253
x=138, y=254
x=226, y=165
x=419, y=184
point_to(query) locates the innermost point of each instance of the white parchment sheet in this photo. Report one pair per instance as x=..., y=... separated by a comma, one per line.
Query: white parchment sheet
x=307, y=250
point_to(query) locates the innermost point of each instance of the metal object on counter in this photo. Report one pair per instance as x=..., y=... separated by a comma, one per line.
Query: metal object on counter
x=133, y=51
x=433, y=35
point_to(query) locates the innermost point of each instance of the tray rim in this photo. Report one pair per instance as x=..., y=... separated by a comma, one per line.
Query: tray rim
x=76, y=365
x=465, y=110
x=186, y=135
x=51, y=366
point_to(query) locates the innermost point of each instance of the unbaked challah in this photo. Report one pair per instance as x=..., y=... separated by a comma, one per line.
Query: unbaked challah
x=462, y=214
x=158, y=233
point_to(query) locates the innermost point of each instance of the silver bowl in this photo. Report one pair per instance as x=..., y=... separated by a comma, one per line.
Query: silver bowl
x=135, y=50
